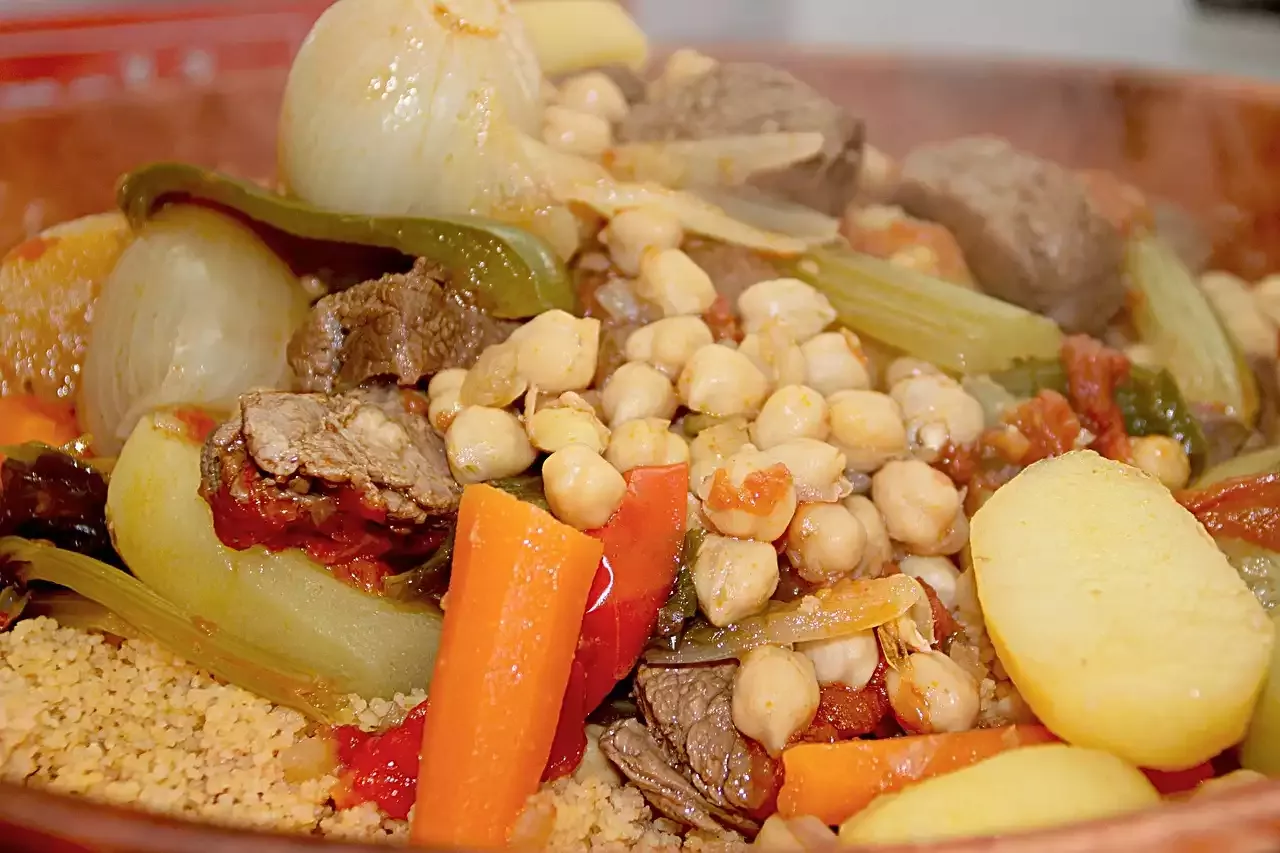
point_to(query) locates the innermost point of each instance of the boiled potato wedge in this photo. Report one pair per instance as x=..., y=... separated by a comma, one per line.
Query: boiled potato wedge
x=1261, y=748
x=555, y=29
x=1017, y=791
x=1116, y=616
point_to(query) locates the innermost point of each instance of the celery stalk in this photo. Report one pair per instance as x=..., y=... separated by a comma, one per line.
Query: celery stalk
x=947, y=325
x=243, y=664
x=1175, y=319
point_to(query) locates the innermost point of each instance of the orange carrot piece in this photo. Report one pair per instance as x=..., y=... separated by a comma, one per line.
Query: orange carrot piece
x=833, y=781
x=516, y=598
x=26, y=418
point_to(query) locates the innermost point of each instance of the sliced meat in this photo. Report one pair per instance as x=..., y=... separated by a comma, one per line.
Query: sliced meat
x=1028, y=229
x=403, y=326
x=732, y=268
x=737, y=98
x=311, y=457
x=688, y=712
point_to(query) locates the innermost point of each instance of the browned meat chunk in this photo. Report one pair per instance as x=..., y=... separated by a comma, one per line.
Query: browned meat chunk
x=1027, y=227
x=318, y=451
x=403, y=326
x=691, y=762
x=732, y=268
x=739, y=98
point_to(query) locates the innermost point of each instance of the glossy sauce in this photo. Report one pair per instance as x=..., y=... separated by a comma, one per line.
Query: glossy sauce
x=381, y=767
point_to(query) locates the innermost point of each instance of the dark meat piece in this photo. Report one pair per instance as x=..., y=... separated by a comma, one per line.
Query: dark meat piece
x=688, y=711
x=1028, y=229
x=732, y=268
x=404, y=326
x=742, y=98
x=51, y=495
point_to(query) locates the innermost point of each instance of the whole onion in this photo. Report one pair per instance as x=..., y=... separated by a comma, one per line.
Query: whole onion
x=197, y=311
x=409, y=107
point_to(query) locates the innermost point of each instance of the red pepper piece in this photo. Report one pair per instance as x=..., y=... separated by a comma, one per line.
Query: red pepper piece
x=1240, y=508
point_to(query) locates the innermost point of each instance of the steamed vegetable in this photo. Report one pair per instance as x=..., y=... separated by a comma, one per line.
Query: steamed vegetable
x=406, y=108
x=834, y=781
x=516, y=598
x=846, y=608
x=727, y=160
x=1016, y=791
x=945, y=324
x=197, y=311
x=267, y=672
x=1175, y=319
x=1105, y=600
x=555, y=28
x=48, y=285
x=1261, y=748
x=512, y=272
x=25, y=418
x=283, y=602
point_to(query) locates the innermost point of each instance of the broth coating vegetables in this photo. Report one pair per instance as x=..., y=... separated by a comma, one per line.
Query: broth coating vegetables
x=1018, y=790
x=582, y=489
x=485, y=443
x=834, y=781
x=775, y=695
x=1104, y=598
x=931, y=694
x=517, y=594
x=734, y=578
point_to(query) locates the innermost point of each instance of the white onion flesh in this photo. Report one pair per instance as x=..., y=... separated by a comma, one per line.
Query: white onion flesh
x=409, y=107
x=769, y=214
x=718, y=161
x=196, y=312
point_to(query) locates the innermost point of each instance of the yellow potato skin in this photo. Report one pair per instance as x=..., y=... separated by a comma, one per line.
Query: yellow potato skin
x=1115, y=614
x=1035, y=787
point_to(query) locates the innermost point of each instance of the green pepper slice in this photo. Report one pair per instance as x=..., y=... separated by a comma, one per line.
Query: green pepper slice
x=513, y=273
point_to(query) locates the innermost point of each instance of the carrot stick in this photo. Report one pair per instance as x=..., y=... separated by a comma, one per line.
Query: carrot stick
x=516, y=598
x=833, y=781
x=26, y=418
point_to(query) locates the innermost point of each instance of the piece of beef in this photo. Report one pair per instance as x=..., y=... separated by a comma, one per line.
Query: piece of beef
x=358, y=481
x=1027, y=227
x=689, y=718
x=403, y=326
x=732, y=268
x=742, y=98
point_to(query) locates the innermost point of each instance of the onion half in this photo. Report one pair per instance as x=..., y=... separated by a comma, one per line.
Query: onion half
x=197, y=311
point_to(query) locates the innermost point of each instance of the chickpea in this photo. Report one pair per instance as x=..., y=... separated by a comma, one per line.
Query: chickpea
x=750, y=497
x=1163, y=458
x=485, y=443
x=919, y=503
x=583, y=490
x=719, y=380
x=938, y=572
x=645, y=442
x=792, y=411
x=816, y=467
x=937, y=411
x=789, y=302
x=1239, y=310
x=834, y=361
x=775, y=696
x=671, y=280
x=575, y=132
x=635, y=232
x=684, y=65
x=825, y=542
x=556, y=427
x=734, y=578
x=712, y=447
x=446, y=380
x=850, y=660
x=495, y=379
x=557, y=351
x=667, y=344
x=907, y=367
x=953, y=539
x=932, y=694
x=878, y=550
x=636, y=390
x=779, y=358
x=868, y=427
x=595, y=93
x=443, y=408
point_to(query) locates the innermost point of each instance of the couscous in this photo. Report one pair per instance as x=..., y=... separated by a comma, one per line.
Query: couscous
x=577, y=452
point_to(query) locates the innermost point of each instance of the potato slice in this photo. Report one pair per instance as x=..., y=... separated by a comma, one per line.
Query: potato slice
x=1030, y=788
x=1115, y=614
x=1261, y=748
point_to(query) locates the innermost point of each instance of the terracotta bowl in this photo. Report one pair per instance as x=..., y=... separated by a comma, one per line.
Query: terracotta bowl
x=1211, y=146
